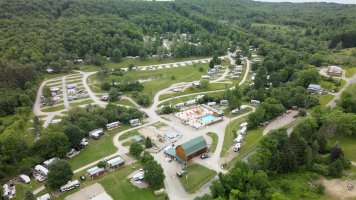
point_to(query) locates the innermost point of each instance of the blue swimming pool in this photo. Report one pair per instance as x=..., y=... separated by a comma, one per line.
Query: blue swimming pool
x=208, y=118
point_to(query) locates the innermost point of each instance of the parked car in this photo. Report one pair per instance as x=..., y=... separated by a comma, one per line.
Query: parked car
x=237, y=147
x=204, y=156
x=180, y=173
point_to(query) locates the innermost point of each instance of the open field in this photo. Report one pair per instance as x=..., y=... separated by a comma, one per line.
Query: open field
x=117, y=185
x=249, y=144
x=215, y=140
x=124, y=102
x=323, y=98
x=350, y=71
x=230, y=134
x=196, y=177
x=128, y=134
x=78, y=103
x=346, y=57
x=178, y=99
x=348, y=145
x=53, y=109
x=96, y=149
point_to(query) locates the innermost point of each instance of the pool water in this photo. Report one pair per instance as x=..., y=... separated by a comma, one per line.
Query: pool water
x=208, y=118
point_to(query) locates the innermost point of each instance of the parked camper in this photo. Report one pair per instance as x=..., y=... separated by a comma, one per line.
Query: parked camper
x=135, y=122
x=224, y=102
x=139, y=176
x=243, y=131
x=205, y=77
x=235, y=111
x=238, y=139
x=44, y=197
x=47, y=163
x=199, y=97
x=244, y=124
x=243, y=107
x=237, y=147
x=179, y=105
x=97, y=133
x=191, y=102
x=70, y=185
x=211, y=103
x=177, y=90
x=255, y=102
x=105, y=97
x=113, y=125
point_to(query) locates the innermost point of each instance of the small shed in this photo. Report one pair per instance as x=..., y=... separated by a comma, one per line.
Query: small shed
x=334, y=71
x=137, y=138
x=115, y=163
x=95, y=172
x=24, y=178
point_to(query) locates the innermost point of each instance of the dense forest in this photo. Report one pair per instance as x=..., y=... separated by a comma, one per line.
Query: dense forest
x=292, y=38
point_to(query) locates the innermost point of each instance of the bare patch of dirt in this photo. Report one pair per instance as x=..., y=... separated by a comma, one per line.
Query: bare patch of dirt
x=338, y=189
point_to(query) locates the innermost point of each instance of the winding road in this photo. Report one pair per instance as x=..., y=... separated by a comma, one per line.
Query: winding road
x=173, y=187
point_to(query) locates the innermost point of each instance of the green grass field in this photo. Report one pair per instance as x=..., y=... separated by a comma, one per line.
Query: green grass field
x=178, y=99
x=296, y=185
x=96, y=149
x=76, y=103
x=324, y=98
x=348, y=144
x=128, y=134
x=125, y=102
x=240, y=112
x=196, y=177
x=350, y=71
x=249, y=144
x=53, y=109
x=117, y=185
x=215, y=140
x=230, y=134
x=345, y=57
x=191, y=90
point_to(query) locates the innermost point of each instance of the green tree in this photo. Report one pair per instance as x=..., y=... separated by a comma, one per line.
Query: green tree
x=148, y=143
x=37, y=126
x=117, y=55
x=336, y=168
x=101, y=164
x=46, y=92
x=74, y=134
x=59, y=173
x=52, y=144
x=154, y=175
x=136, y=149
x=113, y=94
x=29, y=196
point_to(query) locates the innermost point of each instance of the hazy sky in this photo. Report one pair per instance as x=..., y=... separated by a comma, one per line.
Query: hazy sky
x=300, y=1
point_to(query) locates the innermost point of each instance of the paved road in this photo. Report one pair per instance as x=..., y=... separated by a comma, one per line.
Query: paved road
x=173, y=187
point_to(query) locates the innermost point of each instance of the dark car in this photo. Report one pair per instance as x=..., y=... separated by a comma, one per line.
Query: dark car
x=204, y=156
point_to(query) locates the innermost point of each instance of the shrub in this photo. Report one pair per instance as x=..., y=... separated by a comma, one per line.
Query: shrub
x=319, y=188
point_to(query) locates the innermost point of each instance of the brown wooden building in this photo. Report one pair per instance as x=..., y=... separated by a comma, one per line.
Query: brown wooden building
x=191, y=149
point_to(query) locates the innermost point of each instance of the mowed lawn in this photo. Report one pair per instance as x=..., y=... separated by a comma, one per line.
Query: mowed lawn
x=348, y=145
x=230, y=134
x=324, y=98
x=249, y=144
x=191, y=90
x=152, y=61
x=350, y=71
x=196, y=177
x=96, y=149
x=177, y=99
x=214, y=143
x=118, y=186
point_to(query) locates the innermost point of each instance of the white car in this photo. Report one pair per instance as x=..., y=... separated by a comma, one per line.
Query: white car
x=237, y=147
x=235, y=111
x=238, y=139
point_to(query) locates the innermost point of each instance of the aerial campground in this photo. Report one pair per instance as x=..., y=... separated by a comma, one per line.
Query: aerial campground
x=177, y=99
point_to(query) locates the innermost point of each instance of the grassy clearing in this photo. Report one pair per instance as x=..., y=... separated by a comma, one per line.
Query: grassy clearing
x=215, y=140
x=125, y=102
x=96, y=149
x=152, y=61
x=191, y=90
x=345, y=57
x=128, y=134
x=297, y=184
x=348, y=145
x=178, y=99
x=230, y=134
x=249, y=144
x=56, y=75
x=117, y=185
x=240, y=112
x=127, y=143
x=350, y=71
x=54, y=109
x=324, y=98
x=76, y=103
x=196, y=177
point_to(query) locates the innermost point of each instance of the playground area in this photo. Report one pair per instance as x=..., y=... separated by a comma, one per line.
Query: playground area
x=200, y=116
x=161, y=137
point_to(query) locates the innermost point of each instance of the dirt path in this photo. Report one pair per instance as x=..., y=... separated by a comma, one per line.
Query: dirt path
x=337, y=188
x=280, y=122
